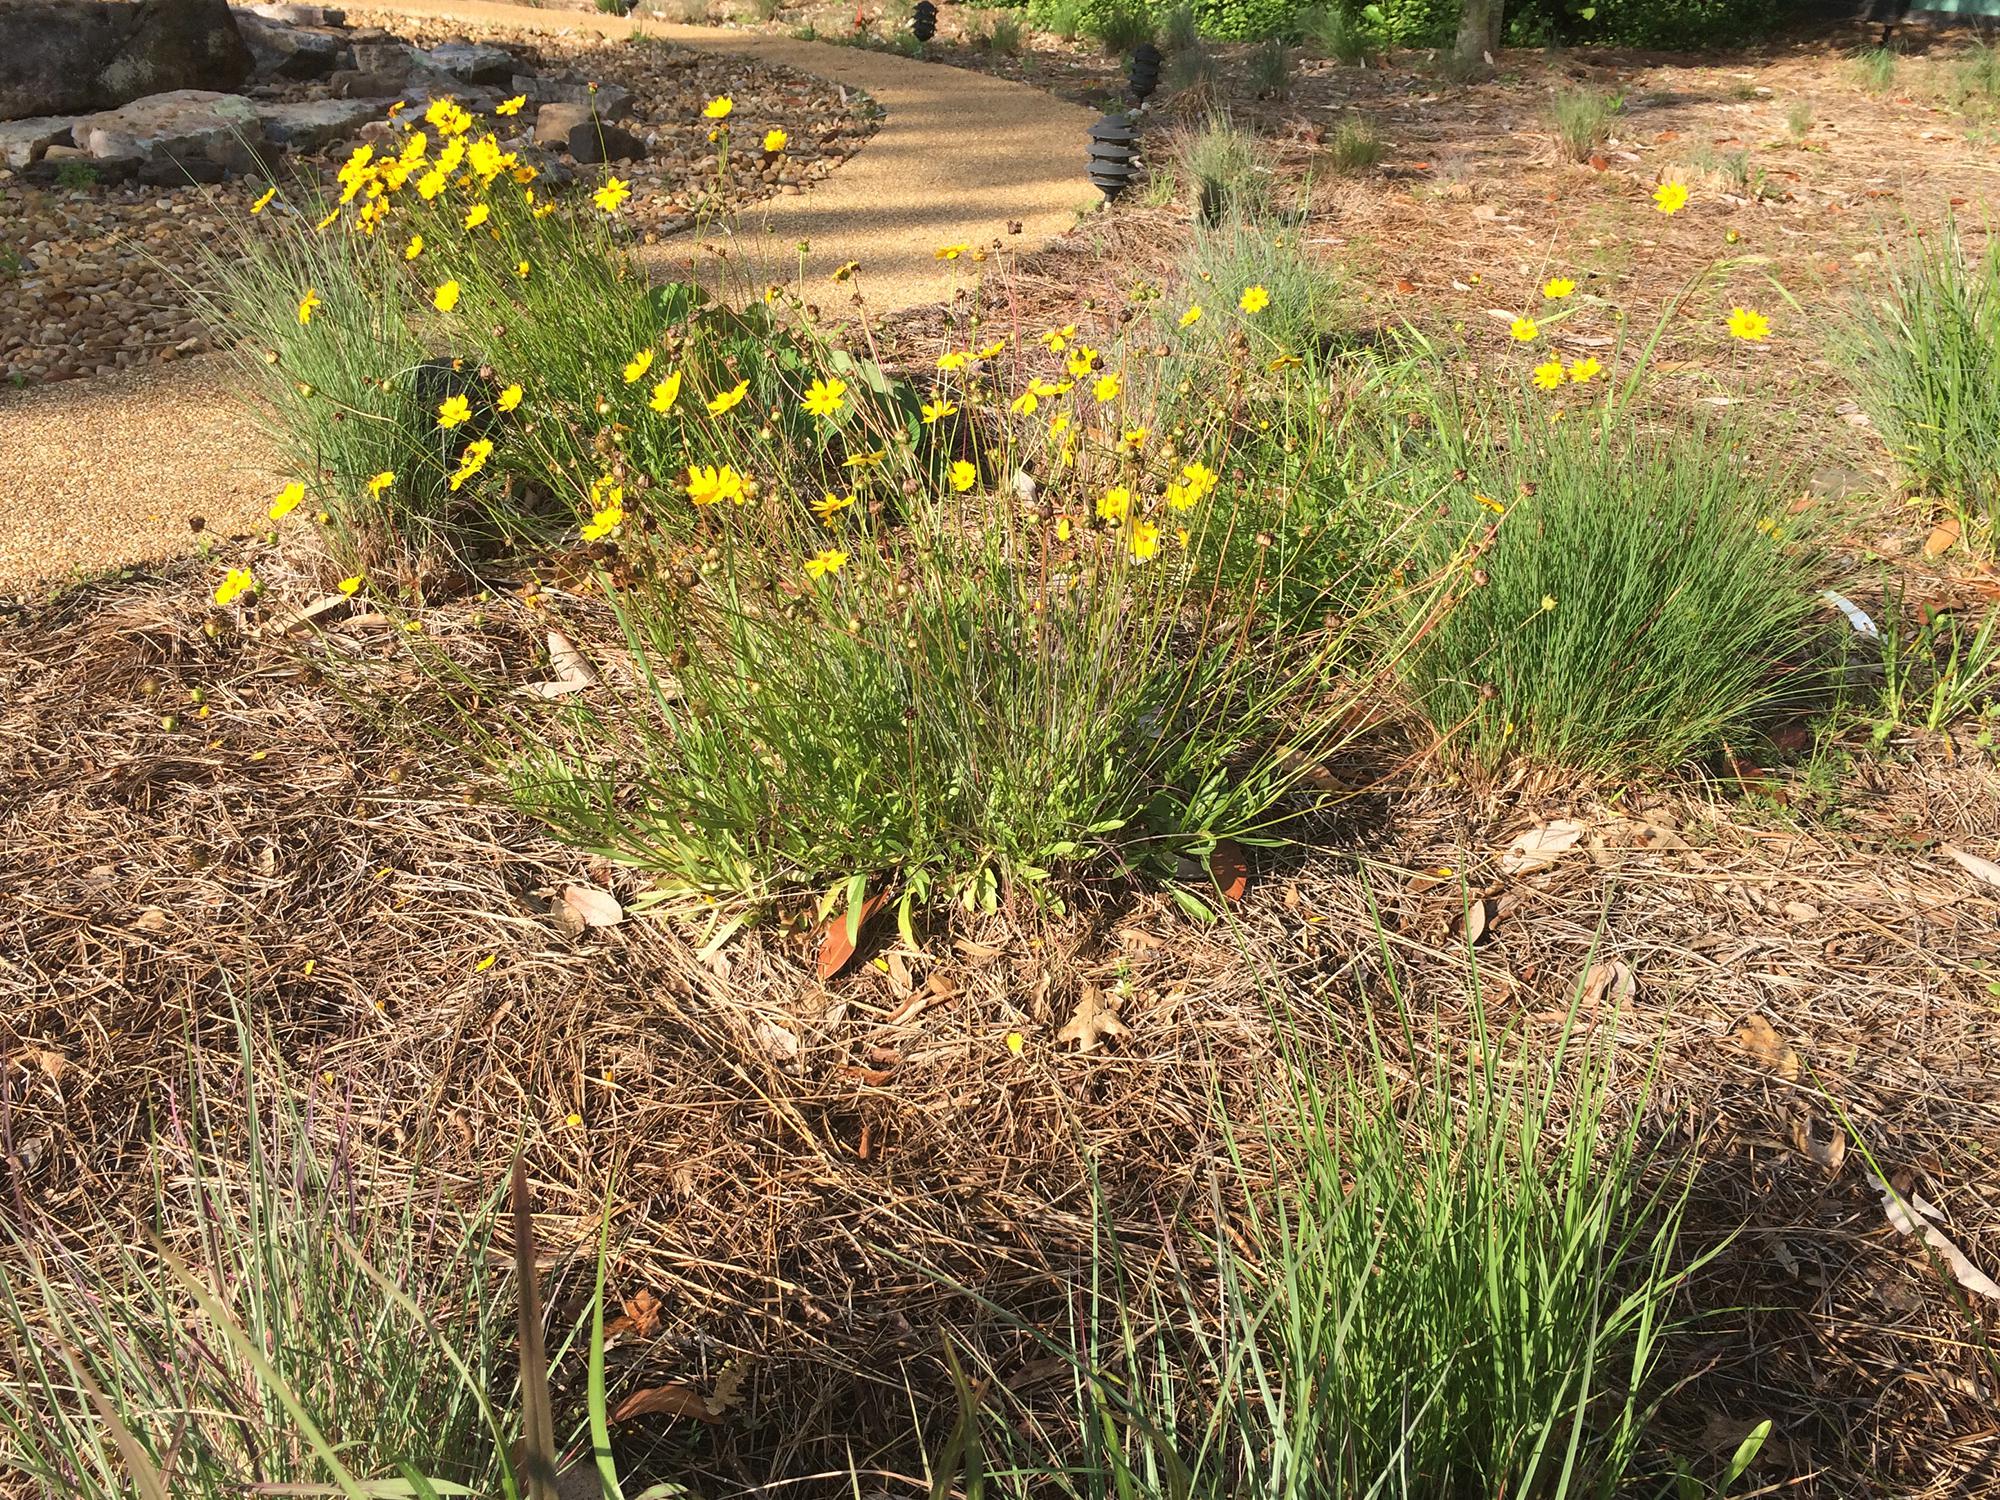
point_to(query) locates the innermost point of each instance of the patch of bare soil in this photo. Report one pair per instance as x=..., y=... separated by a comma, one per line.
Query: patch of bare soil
x=197, y=822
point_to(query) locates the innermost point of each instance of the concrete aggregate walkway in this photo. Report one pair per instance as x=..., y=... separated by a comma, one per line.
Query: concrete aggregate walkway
x=99, y=473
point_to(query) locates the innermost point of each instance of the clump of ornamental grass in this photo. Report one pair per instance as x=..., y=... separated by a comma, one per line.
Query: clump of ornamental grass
x=1457, y=1278
x=1924, y=356
x=1582, y=120
x=455, y=361
x=1225, y=169
x=1038, y=663
x=1625, y=597
x=271, y=1322
x=1336, y=31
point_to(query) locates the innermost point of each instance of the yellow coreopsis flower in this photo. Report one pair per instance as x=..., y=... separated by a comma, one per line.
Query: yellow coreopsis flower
x=1525, y=330
x=718, y=108
x=289, y=499
x=415, y=248
x=1145, y=541
x=1549, y=374
x=637, y=366
x=1748, y=323
x=1254, y=299
x=1114, y=504
x=1107, y=388
x=825, y=398
x=1062, y=528
x=472, y=460
x=1057, y=339
x=989, y=350
x=934, y=411
x=477, y=215
x=1584, y=369
x=611, y=197
x=828, y=561
x=454, y=411
x=1558, y=287
x=1192, y=316
x=235, y=583
x=333, y=214
x=608, y=516
x=666, y=393
x=1024, y=404
x=510, y=398
x=265, y=201
x=351, y=586
x=775, y=141
x=381, y=482
x=963, y=476
x=831, y=505
x=1670, y=197
x=521, y=270
x=951, y=252
x=706, y=485
x=445, y=298
x=729, y=400
x=510, y=106
x=1135, y=438
x=953, y=361
x=866, y=460
x=308, y=304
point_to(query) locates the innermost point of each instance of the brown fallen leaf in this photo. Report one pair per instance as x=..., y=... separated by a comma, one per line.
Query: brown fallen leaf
x=1614, y=981
x=573, y=673
x=835, y=951
x=326, y=608
x=1230, y=869
x=1302, y=770
x=1760, y=1039
x=1095, y=1020
x=592, y=906
x=1821, y=1140
x=1474, y=922
x=1539, y=848
x=672, y=1399
x=640, y=1317
x=1943, y=537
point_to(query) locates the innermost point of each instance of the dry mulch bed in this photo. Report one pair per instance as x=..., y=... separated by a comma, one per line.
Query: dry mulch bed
x=788, y=1152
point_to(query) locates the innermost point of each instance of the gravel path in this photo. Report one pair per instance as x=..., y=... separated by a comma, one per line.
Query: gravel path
x=98, y=473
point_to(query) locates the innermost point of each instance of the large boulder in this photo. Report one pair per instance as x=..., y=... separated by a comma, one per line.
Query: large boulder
x=284, y=51
x=181, y=127
x=472, y=61
x=310, y=124
x=66, y=56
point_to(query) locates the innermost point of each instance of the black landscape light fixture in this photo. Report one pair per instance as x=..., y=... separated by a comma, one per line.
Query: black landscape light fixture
x=1114, y=151
x=923, y=20
x=1143, y=72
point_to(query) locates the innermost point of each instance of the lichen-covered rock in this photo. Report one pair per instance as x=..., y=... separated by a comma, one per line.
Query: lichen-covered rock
x=284, y=51
x=67, y=56
x=24, y=141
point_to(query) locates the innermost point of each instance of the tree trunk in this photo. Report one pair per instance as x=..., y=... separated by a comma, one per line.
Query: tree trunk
x=1478, y=33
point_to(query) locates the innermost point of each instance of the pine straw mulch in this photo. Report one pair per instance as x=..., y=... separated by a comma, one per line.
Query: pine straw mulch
x=798, y=1164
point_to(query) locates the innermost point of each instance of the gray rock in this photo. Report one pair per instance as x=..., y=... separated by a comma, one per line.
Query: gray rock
x=67, y=56
x=610, y=101
x=353, y=83
x=554, y=122
x=473, y=62
x=595, y=141
x=170, y=171
x=183, y=125
x=290, y=51
x=24, y=141
x=309, y=124
x=384, y=57
x=298, y=15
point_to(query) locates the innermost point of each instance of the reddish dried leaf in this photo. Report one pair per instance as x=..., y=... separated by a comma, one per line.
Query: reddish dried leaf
x=1405, y=285
x=835, y=951
x=673, y=1400
x=1231, y=869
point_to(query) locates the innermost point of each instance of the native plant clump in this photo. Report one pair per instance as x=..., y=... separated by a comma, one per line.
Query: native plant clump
x=451, y=354
x=1924, y=356
x=1457, y=1282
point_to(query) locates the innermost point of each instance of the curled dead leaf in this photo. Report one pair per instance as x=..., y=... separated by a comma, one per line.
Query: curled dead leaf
x=1613, y=981
x=1911, y=1215
x=573, y=673
x=835, y=951
x=1094, y=1020
x=672, y=1399
x=1821, y=1140
x=592, y=906
x=1972, y=864
x=1943, y=537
